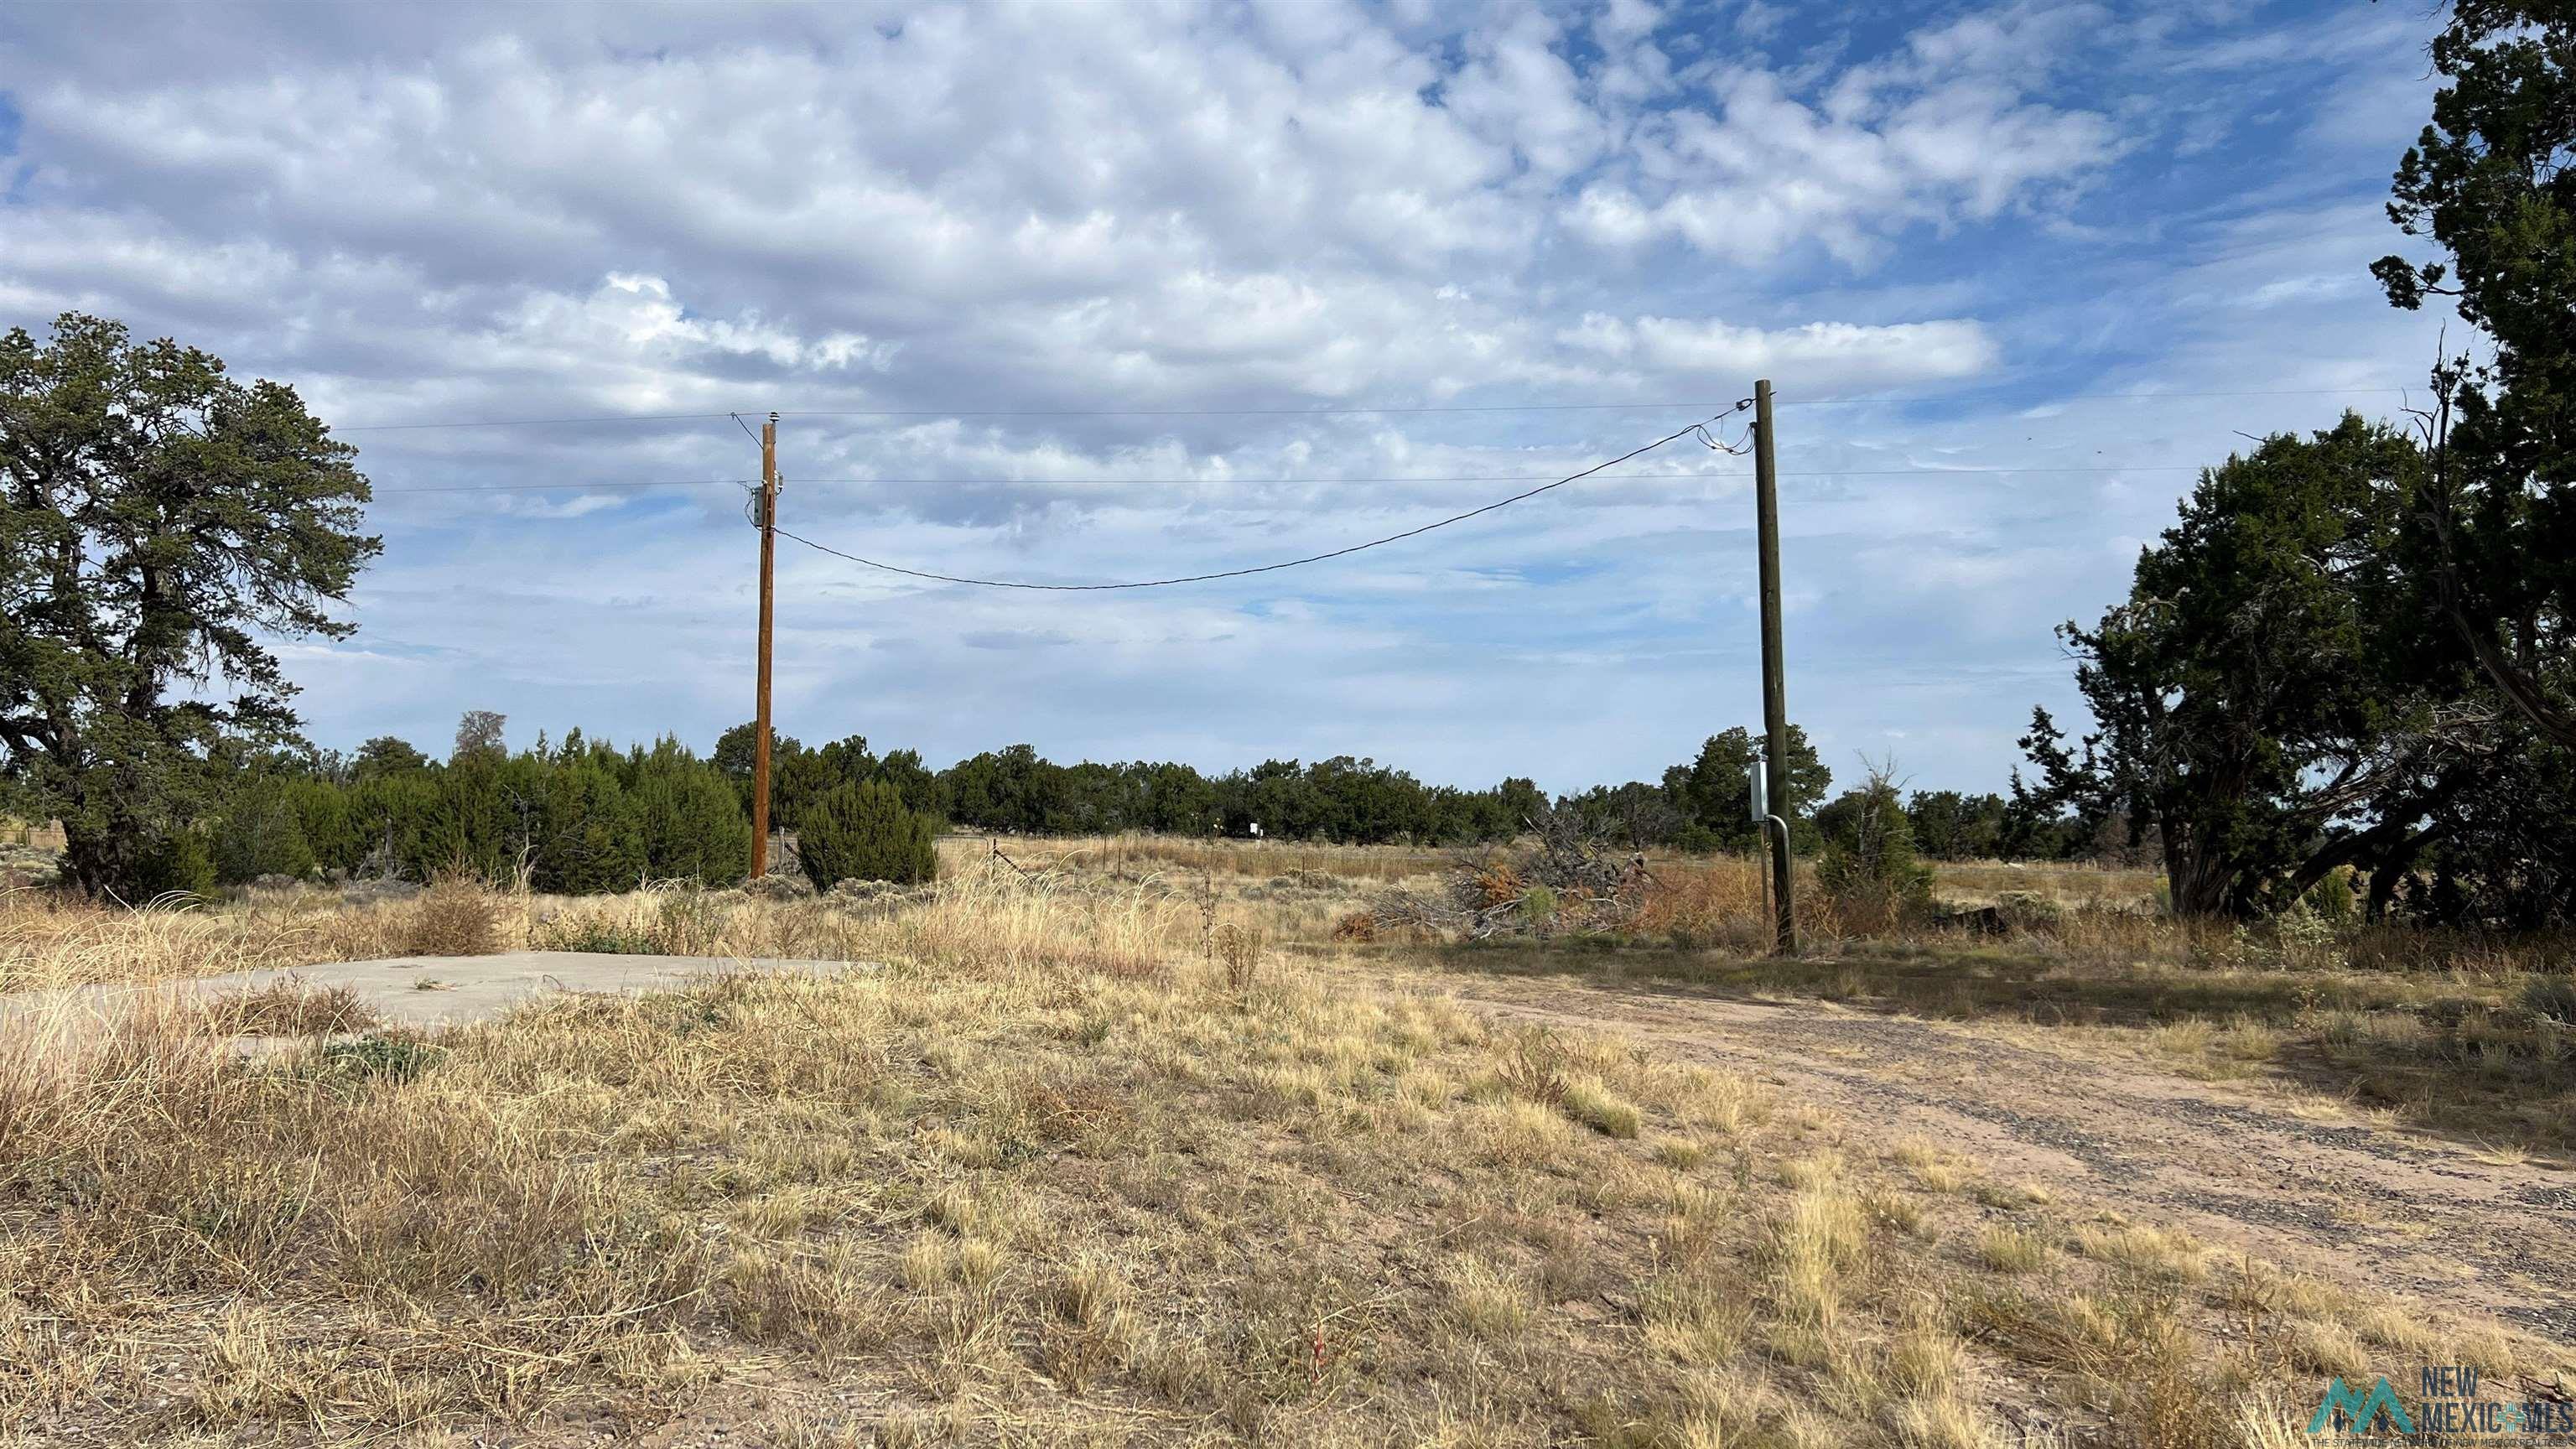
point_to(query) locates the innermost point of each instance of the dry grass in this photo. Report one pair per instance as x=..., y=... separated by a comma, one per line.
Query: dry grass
x=1183, y=856
x=48, y=941
x=2011, y=1250
x=1052, y=1175
x=456, y=916
x=289, y=1007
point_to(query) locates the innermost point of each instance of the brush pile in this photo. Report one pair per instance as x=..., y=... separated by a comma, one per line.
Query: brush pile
x=1554, y=880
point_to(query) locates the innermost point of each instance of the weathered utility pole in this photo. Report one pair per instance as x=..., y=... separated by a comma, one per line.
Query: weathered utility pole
x=1775, y=690
x=768, y=595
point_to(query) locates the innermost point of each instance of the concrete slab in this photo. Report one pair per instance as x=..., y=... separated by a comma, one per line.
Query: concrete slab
x=431, y=991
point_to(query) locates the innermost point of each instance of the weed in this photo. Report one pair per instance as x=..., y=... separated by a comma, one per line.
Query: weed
x=2011, y=1250
x=1238, y=951
x=456, y=916
x=1533, y=1065
x=378, y=1058
x=289, y=1007
x=1590, y=1101
x=2551, y=998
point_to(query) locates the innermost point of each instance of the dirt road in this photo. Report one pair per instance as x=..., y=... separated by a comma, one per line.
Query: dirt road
x=2400, y=1212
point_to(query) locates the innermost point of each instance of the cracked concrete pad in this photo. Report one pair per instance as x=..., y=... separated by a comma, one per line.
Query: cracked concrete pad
x=431, y=991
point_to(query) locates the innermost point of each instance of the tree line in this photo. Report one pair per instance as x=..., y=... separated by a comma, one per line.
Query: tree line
x=583, y=815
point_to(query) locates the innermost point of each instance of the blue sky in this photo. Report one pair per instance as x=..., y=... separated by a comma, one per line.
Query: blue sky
x=2015, y=270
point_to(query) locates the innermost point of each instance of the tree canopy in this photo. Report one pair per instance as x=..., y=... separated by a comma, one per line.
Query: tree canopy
x=2492, y=183
x=2260, y=701
x=159, y=522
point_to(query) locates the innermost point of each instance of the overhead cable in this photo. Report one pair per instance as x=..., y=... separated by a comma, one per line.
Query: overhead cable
x=1269, y=567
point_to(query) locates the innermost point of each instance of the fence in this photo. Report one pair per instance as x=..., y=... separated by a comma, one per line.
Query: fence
x=48, y=836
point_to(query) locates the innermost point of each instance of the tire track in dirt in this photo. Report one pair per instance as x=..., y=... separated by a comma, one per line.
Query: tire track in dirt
x=2396, y=1212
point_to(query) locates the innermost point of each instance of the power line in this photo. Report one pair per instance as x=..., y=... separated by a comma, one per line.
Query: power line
x=570, y=487
x=1271, y=567
x=1322, y=412
x=1036, y=413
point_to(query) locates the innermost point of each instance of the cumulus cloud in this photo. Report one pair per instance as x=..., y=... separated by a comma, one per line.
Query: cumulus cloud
x=1946, y=130
x=1820, y=354
x=1083, y=292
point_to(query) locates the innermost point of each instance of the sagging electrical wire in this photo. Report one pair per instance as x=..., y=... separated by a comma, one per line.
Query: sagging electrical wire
x=1695, y=428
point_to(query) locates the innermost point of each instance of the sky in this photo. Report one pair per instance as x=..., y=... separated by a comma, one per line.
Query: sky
x=1095, y=292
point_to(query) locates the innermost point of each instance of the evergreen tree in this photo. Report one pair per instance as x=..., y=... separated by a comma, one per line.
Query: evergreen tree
x=593, y=836
x=2260, y=701
x=2490, y=183
x=1714, y=791
x=385, y=755
x=1868, y=864
x=162, y=523
x=692, y=822
x=864, y=832
x=322, y=813
x=260, y=833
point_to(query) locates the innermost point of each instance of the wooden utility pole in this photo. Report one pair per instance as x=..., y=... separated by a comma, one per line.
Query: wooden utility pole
x=768, y=595
x=1775, y=689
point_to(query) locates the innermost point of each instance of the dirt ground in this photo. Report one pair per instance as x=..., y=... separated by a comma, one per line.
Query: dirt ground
x=2405, y=1213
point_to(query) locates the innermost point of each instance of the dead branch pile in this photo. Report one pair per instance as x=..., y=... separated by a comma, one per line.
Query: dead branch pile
x=1555, y=879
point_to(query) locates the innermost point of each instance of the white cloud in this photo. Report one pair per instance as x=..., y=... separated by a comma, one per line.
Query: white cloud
x=1943, y=132
x=1820, y=354
x=508, y=212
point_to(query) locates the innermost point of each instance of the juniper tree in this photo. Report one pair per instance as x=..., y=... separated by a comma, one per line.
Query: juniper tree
x=160, y=524
x=2492, y=182
x=864, y=832
x=2262, y=701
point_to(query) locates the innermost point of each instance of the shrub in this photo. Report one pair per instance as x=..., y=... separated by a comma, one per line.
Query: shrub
x=2030, y=910
x=693, y=824
x=1868, y=869
x=261, y=834
x=1698, y=840
x=2306, y=937
x=865, y=832
x=594, y=936
x=177, y=863
x=287, y=1006
x=378, y=1057
x=593, y=835
x=454, y=917
x=2335, y=898
x=2551, y=996
x=1238, y=950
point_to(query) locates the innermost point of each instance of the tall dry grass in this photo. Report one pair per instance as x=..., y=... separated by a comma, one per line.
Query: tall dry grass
x=49, y=940
x=1192, y=855
x=979, y=919
x=1045, y=1176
